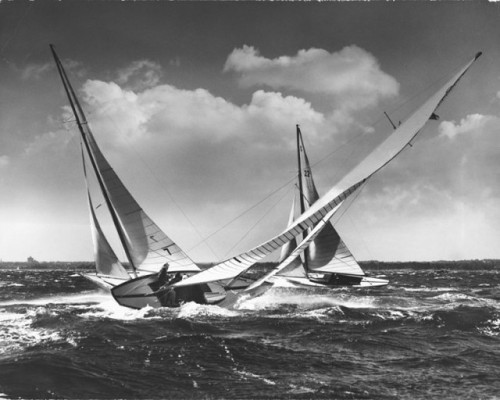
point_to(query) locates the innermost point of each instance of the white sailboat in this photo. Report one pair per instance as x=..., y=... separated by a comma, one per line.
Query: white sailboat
x=148, y=248
x=327, y=261
x=319, y=214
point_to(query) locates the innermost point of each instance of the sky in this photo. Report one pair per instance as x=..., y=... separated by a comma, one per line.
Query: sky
x=195, y=106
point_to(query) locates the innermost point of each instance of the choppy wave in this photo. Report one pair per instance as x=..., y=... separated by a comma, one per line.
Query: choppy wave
x=418, y=338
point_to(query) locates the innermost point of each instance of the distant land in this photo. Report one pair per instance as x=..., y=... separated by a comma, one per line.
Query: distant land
x=488, y=264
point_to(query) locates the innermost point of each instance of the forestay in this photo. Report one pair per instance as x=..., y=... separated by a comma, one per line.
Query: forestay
x=381, y=155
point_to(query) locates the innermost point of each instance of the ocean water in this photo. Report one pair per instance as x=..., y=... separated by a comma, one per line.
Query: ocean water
x=430, y=334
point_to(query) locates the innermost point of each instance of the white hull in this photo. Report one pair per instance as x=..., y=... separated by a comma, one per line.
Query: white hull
x=365, y=282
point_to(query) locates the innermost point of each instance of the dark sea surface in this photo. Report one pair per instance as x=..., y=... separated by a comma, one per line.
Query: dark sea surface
x=430, y=334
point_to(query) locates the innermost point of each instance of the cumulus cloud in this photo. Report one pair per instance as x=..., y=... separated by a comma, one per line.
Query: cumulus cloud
x=429, y=196
x=165, y=109
x=352, y=76
x=39, y=71
x=468, y=125
x=140, y=75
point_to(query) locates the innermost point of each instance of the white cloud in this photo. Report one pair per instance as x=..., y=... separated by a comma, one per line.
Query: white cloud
x=352, y=76
x=48, y=143
x=467, y=125
x=166, y=110
x=140, y=75
x=4, y=161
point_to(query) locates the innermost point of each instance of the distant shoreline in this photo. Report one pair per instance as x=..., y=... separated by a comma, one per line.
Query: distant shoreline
x=487, y=264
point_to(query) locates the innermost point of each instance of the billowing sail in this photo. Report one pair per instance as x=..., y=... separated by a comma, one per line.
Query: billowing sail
x=297, y=251
x=376, y=160
x=106, y=261
x=147, y=247
x=295, y=267
x=328, y=252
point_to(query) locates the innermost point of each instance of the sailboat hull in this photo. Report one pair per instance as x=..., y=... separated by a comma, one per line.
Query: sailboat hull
x=365, y=282
x=139, y=293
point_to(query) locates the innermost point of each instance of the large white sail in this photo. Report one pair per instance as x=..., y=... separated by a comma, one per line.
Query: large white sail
x=106, y=261
x=146, y=245
x=327, y=252
x=295, y=267
x=376, y=160
x=297, y=251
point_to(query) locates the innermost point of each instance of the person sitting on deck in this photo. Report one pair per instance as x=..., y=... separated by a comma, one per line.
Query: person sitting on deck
x=161, y=278
x=163, y=275
x=169, y=297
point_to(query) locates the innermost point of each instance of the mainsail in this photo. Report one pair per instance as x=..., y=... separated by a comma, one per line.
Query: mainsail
x=306, y=242
x=295, y=267
x=375, y=161
x=106, y=261
x=147, y=247
x=328, y=252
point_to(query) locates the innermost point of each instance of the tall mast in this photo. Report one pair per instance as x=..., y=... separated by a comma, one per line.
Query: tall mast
x=299, y=163
x=81, y=120
x=300, y=148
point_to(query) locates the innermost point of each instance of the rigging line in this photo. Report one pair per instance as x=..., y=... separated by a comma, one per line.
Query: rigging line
x=245, y=211
x=420, y=92
x=256, y=223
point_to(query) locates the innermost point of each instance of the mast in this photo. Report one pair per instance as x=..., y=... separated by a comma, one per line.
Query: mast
x=300, y=148
x=81, y=120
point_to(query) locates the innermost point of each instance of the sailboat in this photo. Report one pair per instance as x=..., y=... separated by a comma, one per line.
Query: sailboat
x=335, y=201
x=327, y=261
x=147, y=248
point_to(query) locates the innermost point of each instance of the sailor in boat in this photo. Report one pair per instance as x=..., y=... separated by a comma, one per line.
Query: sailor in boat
x=169, y=299
x=163, y=287
x=162, y=280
